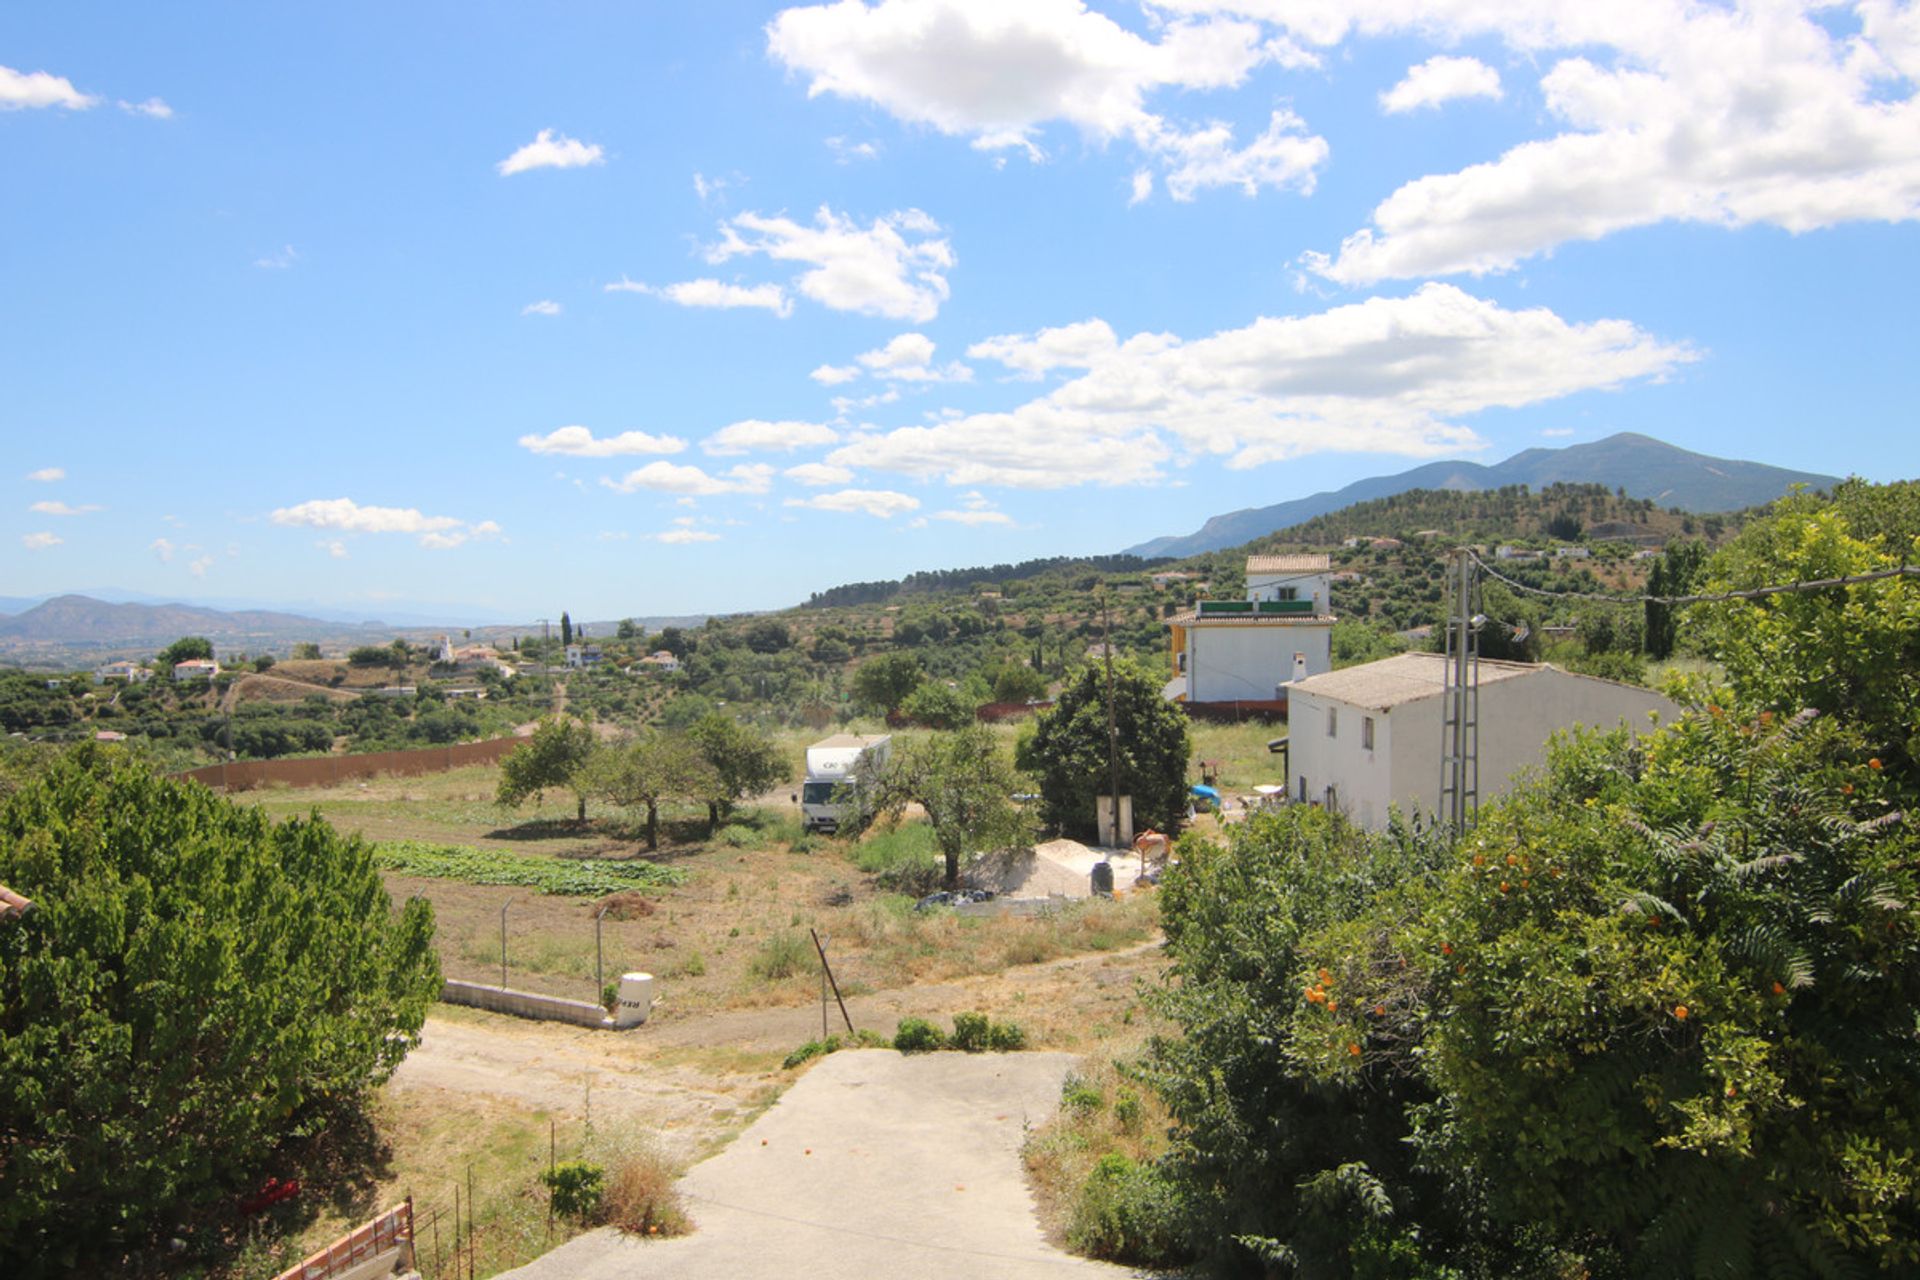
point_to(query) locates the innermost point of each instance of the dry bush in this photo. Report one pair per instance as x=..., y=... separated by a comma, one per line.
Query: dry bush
x=640, y=1195
x=625, y=905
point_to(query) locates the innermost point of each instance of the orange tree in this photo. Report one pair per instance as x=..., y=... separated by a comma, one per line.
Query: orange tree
x=1655, y=1015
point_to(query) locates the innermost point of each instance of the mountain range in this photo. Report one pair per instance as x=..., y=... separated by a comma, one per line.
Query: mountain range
x=1641, y=465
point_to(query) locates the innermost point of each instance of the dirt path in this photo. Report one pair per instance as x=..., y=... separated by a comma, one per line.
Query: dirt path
x=690, y=1076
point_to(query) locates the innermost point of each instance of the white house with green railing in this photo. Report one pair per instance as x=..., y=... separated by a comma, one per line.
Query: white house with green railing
x=1242, y=652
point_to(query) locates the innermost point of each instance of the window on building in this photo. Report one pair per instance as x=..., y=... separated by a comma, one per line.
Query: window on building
x=1333, y=722
x=1366, y=733
x=1287, y=593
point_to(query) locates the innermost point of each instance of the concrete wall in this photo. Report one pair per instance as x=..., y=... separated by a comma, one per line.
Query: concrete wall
x=325, y=771
x=525, y=1004
x=1517, y=718
x=1244, y=661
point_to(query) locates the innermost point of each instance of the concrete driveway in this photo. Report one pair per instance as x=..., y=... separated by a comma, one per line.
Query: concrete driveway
x=874, y=1164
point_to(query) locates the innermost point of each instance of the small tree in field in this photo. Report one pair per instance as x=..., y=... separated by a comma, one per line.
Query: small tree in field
x=193, y=986
x=553, y=757
x=1068, y=750
x=649, y=770
x=883, y=683
x=744, y=763
x=966, y=788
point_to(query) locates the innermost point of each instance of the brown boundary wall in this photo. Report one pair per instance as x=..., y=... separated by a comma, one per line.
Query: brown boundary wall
x=325, y=771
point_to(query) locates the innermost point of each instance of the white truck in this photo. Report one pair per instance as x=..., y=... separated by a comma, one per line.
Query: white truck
x=840, y=761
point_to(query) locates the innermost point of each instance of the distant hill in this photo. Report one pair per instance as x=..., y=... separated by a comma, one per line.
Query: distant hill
x=84, y=620
x=1644, y=467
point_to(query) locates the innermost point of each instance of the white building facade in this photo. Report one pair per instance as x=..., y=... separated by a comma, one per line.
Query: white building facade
x=1244, y=651
x=1367, y=739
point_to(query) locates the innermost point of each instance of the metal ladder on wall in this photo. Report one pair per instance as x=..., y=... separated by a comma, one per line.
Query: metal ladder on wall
x=1460, y=704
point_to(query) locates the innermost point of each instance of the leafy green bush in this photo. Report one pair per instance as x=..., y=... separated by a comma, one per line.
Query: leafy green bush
x=970, y=1032
x=781, y=956
x=735, y=836
x=577, y=1186
x=567, y=877
x=1077, y=1094
x=1006, y=1037
x=917, y=1035
x=193, y=986
x=1129, y=1212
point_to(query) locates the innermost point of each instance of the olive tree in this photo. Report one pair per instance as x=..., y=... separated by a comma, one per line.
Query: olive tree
x=964, y=785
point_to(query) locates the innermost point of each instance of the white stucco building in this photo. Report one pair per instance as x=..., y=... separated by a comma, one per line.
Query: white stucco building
x=1367, y=738
x=1243, y=651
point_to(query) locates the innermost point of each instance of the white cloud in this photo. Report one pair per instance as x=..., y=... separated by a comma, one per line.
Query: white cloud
x=895, y=268
x=544, y=307
x=333, y=547
x=832, y=375
x=550, y=150
x=998, y=71
x=1142, y=185
x=1442, y=79
x=690, y=481
x=153, y=108
x=40, y=541
x=842, y=405
x=1389, y=375
x=1555, y=433
x=974, y=517
x=344, y=515
x=579, y=442
x=21, y=90
x=62, y=509
x=883, y=504
x=199, y=567
x=753, y=434
x=47, y=475
x=1072, y=346
x=845, y=152
x=909, y=358
x=1726, y=114
x=280, y=261
x=162, y=548
x=680, y=537
x=712, y=293
x=818, y=475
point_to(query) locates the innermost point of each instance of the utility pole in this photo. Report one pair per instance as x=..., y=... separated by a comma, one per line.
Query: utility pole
x=1113, y=725
x=1460, y=703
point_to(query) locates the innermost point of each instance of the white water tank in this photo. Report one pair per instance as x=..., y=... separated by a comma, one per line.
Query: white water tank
x=636, y=1000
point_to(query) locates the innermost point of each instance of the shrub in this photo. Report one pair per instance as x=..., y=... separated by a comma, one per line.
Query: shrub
x=1129, y=1212
x=735, y=836
x=810, y=1050
x=641, y=1197
x=917, y=1035
x=1006, y=1037
x=1080, y=1095
x=1126, y=1111
x=781, y=956
x=970, y=1032
x=577, y=1188
x=694, y=966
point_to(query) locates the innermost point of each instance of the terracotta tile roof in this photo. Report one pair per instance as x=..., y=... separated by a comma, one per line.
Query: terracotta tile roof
x=1311, y=563
x=12, y=905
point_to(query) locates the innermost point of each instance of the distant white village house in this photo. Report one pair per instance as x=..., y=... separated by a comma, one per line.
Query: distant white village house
x=583, y=655
x=131, y=672
x=661, y=660
x=1241, y=652
x=1367, y=738
x=196, y=669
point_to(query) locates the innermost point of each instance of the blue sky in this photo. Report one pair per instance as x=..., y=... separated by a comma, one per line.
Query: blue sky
x=658, y=309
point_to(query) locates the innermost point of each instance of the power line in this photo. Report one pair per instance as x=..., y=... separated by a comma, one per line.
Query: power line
x=1820, y=584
